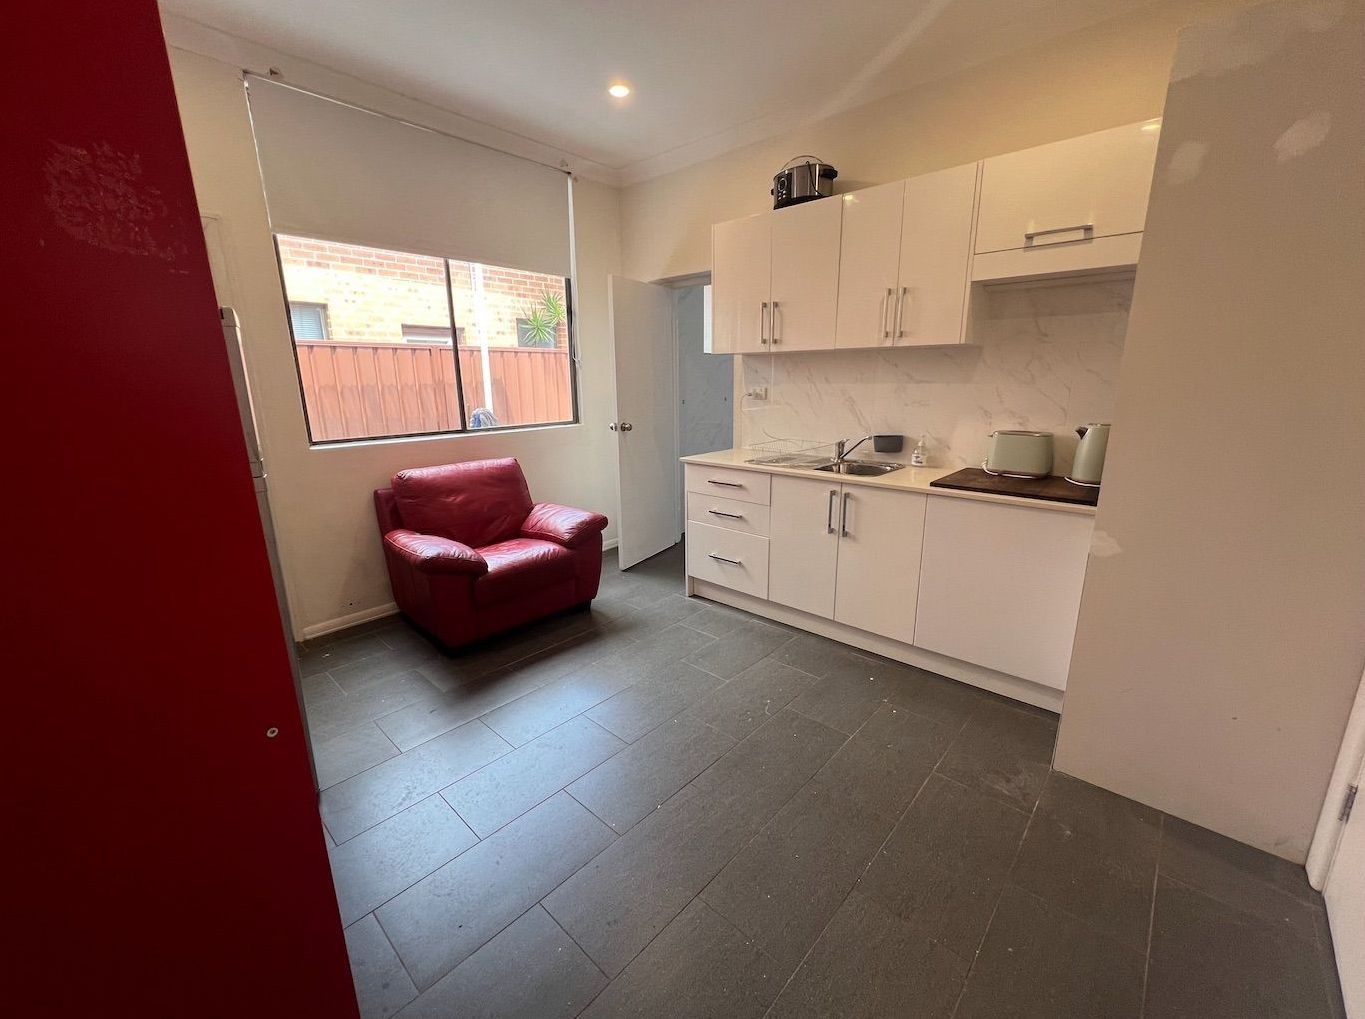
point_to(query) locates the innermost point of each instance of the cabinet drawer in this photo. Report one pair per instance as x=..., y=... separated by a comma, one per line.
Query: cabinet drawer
x=731, y=514
x=744, y=486
x=731, y=559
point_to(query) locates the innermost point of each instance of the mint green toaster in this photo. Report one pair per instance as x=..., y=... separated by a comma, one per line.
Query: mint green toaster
x=1018, y=454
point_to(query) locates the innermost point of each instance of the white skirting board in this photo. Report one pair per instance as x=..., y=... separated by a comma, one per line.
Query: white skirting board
x=354, y=619
x=964, y=672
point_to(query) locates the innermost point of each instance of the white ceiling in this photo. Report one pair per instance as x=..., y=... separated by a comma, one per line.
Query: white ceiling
x=709, y=75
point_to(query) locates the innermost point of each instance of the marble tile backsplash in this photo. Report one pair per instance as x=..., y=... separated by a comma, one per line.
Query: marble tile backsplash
x=1042, y=357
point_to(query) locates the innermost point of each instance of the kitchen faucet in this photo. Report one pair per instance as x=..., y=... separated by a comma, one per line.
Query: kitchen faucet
x=842, y=448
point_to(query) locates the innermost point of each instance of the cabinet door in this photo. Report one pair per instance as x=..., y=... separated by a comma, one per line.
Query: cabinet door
x=869, y=265
x=1000, y=586
x=805, y=267
x=803, y=544
x=877, y=580
x=1070, y=191
x=935, y=256
x=741, y=256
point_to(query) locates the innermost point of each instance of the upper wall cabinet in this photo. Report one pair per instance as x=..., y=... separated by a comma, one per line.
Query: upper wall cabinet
x=775, y=280
x=903, y=262
x=1073, y=206
x=741, y=283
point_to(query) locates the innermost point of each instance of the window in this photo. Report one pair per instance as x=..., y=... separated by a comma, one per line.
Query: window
x=309, y=321
x=373, y=339
x=429, y=334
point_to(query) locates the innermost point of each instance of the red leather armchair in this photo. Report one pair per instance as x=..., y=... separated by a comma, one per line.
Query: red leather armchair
x=469, y=554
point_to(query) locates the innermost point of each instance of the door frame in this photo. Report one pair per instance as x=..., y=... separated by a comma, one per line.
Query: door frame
x=1330, y=827
x=1327, y=835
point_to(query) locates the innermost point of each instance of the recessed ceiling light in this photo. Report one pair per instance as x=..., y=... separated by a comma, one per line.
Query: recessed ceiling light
x=619, y=91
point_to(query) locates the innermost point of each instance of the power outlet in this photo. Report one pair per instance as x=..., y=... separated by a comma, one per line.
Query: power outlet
x=757, y=393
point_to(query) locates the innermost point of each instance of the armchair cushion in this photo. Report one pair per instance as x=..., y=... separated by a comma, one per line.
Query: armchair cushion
x=563, y=524
x=477, y=503
x=521, y=567
x=431, y=554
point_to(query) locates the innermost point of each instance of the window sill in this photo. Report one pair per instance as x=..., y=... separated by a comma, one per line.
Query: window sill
x=395, y=440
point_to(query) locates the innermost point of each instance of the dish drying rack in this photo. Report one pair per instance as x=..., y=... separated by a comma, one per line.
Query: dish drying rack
x=790, y=452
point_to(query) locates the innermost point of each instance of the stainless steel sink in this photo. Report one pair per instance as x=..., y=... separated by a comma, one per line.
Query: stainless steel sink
x=859, y=468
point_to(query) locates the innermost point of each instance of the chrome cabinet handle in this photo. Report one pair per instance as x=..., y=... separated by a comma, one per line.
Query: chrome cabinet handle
x=1087, y=228
x=900, y=312
x=626, y=426
x=843, y=518
x=886, y=310
x=763, y=323
x=726, y=484
x=722, y=513
x=772, y=326
x=829, y=512
x=722, y=559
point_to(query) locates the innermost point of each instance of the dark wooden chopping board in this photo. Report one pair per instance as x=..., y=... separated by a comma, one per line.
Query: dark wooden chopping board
x=1051, y=489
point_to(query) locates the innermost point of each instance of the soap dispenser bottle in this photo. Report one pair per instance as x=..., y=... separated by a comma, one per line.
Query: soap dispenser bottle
x=919, y=456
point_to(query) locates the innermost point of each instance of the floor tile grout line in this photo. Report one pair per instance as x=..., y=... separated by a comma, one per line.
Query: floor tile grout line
x=1005, y=885
x=394, y=949
x=847, y=895
x=591, y=961
x=730, y=858
x=1151, y=916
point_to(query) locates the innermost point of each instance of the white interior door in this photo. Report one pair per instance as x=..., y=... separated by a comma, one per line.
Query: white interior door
x=1345, y=894
x=646, y=417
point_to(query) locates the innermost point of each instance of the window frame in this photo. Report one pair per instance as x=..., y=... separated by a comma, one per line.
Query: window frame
x=320, y=308
x=571, y=330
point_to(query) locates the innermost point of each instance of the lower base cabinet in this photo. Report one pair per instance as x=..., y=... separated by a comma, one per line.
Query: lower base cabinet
x=1000, y=586
x=847, y=552
x=877, y=581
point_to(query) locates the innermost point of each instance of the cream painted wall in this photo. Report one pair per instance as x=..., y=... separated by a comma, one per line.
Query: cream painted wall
x=1222, y=628
x=1114, y=73
x=321, y=498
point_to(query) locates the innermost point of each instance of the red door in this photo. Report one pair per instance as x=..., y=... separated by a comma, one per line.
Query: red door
x=170, y=857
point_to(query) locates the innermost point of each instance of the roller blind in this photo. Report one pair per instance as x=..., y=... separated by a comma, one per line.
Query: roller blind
x=336, y=172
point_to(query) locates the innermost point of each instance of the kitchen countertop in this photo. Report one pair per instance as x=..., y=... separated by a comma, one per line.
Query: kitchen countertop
x=909, y=479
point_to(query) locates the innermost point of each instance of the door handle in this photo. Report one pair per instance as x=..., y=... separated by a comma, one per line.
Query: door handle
x=763, y=323
x=722, y=559
x=722, y=513
x=772, y=326
x=724, y=484
x=886, y=310
x=843, y=518
x=1086, y=228
x=829, y=512
x=612, y=426
x=900, y=312
x=626, y=426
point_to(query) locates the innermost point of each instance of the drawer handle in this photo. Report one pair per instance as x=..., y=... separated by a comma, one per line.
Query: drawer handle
x=1087, y=228
x=722, y=513
x=727, y=484
x=722, y=559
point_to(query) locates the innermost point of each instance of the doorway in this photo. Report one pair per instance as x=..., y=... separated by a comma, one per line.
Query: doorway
x=705, y=383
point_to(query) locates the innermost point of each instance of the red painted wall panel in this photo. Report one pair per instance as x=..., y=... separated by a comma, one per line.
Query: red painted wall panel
x=170, y=860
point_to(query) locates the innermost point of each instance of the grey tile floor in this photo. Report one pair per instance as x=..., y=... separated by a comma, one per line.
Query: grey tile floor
x=666, y=807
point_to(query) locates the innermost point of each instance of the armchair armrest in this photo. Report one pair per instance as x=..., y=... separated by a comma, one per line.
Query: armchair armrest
x=563, y=524
x=431, y=554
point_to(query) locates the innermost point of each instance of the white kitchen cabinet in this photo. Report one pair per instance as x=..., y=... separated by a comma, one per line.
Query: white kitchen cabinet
x=805, y=276
x=803, y=543
x=1000, y=586
x=741, y=284
x=869, y=265
x=936, y=255
x=904, y=261
x=877, y=577
x=1081, y=202
x=734, y=559
x=846, y=552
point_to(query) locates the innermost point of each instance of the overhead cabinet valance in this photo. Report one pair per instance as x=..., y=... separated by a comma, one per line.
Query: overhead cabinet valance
x=892, y=266
x=337, y=172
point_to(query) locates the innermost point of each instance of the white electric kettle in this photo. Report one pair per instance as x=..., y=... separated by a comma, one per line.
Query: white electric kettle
x=1089, y=463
